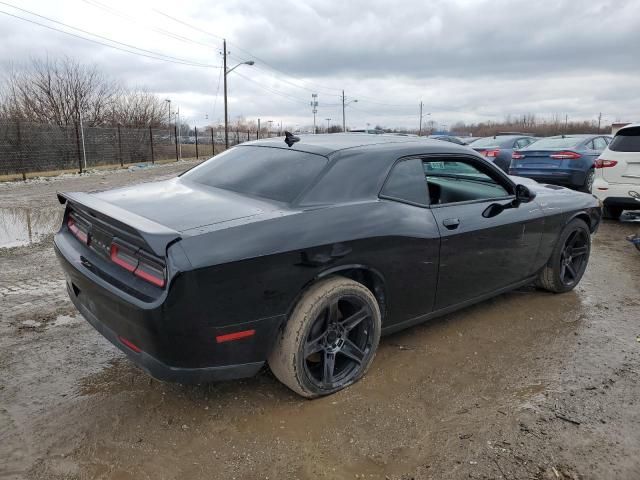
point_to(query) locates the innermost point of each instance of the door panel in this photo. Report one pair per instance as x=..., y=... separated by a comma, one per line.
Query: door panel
x=481, y=255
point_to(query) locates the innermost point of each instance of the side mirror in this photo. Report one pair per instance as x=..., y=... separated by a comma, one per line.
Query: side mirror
x=523, y=194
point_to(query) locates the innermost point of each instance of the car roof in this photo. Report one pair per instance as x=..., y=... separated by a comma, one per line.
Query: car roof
x=327, y=144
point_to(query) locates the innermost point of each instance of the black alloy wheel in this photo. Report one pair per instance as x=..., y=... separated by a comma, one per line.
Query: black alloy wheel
x=574, y=257
x=329, y=340
x=338, y=342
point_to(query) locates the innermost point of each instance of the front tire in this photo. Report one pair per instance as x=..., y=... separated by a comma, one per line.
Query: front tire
x=569, y=259
x=330, y=339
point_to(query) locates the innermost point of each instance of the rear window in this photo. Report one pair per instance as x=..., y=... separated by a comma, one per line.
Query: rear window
x=486, y=142
x=556, y=142
x=626, y=140
x=272, y=173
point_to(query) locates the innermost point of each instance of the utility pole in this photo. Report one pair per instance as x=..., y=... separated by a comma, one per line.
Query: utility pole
x=328, y=120
x=344, y=104
x=599, y=121
x=314, y=109
x=226, y=114
x=566, y=122
x=420, y=129
x=258, y=134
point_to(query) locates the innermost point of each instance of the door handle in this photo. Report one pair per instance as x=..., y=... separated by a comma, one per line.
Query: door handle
x=451, y=223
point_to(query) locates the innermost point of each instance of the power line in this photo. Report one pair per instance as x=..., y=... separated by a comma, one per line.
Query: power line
x=148, y=54
x=136, y=21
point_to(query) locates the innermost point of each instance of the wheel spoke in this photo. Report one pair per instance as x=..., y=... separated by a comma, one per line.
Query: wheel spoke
x=579, y=251
x=329, y=366
x=572, y=239
x=352, y=351
x=572, y=270
x=314, y=346
x=563, y=271
x=354, y=320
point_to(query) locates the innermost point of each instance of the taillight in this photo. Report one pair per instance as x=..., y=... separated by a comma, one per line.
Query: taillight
x=517, y=156
x=141, y=266
x=602, y=163
x=565, y=155
x=77, y=230
x=493, y=153
x=123, y=257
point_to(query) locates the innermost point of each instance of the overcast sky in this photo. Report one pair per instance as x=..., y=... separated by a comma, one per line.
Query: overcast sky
x=466, y=60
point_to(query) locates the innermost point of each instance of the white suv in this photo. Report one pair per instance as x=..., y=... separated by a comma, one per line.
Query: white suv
x=618, y=172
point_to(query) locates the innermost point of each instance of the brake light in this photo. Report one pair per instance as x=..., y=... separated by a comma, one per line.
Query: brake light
x=138, y=264
x=77, y=232
x=565, y=155
x=517, y=156
x=602, y=163
x=493, y=153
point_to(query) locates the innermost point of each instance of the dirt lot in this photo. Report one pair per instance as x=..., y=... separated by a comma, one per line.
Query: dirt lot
x=528, y=385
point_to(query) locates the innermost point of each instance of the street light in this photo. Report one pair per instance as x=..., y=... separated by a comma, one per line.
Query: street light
x=421, y=117
x=227, y=72
x=328, y=120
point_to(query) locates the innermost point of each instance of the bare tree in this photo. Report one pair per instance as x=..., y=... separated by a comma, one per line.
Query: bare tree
x=58, y=91
x=138, y=109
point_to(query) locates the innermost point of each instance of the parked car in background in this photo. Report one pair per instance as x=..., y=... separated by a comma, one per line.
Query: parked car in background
x=470, y=140
x=567, y=160
x=618, y=172
x=448, y=138
x=498, y=149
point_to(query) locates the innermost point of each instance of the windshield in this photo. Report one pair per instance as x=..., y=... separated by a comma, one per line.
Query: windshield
x=273, y=173
x=556, y=142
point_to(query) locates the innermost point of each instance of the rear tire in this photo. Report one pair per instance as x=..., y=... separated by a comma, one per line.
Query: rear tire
x=329, y=340
x=612, y=213
x=588, y=182
x=569, y=259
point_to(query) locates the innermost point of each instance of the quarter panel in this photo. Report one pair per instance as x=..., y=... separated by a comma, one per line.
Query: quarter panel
x=258, y=270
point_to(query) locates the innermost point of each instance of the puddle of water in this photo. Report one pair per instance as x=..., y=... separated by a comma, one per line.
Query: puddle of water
x=23, y=226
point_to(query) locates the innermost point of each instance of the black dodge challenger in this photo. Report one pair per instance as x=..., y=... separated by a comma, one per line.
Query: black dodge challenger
x=301, y=252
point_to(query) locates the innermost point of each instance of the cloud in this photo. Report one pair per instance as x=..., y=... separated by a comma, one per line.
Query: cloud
x=467, y=60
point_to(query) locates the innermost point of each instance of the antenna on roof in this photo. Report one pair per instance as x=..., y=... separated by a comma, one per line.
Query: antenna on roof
x=290, y=138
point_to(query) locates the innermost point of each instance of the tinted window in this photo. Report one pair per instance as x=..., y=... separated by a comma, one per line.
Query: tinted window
x=451, y=181
x=521, y=143
x=551, y=143
x=272, y=173
x=626, y=140
x=599, y=143
x=406, y=182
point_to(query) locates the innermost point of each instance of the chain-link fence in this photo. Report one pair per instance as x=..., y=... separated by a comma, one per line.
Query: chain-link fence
x=31, y=148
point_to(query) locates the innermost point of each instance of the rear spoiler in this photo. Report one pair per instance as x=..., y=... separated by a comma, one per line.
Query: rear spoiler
x=158, y=237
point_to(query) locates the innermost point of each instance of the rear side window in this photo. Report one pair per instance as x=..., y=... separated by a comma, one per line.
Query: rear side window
x=272, y=173
x=626, y=140
x=599, y=143
x=406, y=183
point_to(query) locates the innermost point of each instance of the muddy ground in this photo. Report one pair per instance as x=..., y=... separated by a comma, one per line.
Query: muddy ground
x=529, y=385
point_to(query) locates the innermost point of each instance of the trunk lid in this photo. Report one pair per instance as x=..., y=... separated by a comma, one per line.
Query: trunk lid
x=539, y=159
x=181, y=205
